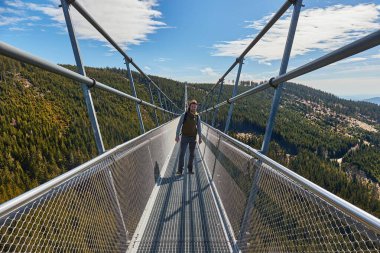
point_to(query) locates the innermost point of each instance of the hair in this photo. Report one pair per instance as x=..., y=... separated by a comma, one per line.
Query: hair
x=193, y=101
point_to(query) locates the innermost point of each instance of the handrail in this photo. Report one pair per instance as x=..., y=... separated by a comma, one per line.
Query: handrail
x=18, y=201
x=350, y=209
x=92, y=21
x=20, y=55
x=353, y=48
x=271, y=22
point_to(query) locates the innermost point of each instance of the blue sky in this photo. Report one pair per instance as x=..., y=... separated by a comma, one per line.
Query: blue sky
x=196, y=41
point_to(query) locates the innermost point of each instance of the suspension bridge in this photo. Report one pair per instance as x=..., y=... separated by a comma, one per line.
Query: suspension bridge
x=128, y=199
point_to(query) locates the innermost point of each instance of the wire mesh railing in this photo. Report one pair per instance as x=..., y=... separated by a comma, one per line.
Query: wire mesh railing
x=93, y=208
x=267, y=208
x=272, y=209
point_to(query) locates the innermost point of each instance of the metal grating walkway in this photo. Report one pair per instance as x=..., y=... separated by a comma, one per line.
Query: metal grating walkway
x=184, y=217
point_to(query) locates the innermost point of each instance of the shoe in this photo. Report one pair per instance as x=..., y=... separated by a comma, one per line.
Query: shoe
x=178, y=173
x=191, y=172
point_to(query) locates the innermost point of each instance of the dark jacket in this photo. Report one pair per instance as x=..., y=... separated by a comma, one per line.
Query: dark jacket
x=191, y=127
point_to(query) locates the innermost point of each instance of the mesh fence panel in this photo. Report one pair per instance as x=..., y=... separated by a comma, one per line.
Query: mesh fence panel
x=229, y=169
x=82, y=213
x=269, y=212
x=137, y=169
x=63, y=218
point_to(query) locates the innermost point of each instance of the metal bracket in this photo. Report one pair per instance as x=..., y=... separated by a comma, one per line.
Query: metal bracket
x=93, y=83
x=271, y=83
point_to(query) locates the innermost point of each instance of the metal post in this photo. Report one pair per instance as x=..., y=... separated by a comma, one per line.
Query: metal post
x=166, y=108
x=284, y=66
x=162, y=106
x=247, y=217
x=210, y=102
x=142, y=130
x=185, y=102
x=170, y=109
x=152, y=102
x=233, y=95
x=205, y=106
x=86, y=92
x=217, y=102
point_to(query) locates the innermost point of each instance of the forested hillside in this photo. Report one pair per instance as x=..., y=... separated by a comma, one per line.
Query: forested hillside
x=46, y=131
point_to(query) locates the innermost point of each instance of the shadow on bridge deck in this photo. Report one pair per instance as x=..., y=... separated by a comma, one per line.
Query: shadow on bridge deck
x=184, y=217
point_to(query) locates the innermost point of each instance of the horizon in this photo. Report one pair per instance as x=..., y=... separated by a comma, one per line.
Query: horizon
x=173, y=40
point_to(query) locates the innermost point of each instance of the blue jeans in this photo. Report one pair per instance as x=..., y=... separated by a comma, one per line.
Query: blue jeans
x=191, y=141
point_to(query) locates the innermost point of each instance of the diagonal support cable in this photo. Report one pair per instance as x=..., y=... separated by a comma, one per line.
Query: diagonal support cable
x=369, y=41
x=86, y=91
x=284, y=66
x=95, y=24
x=265, y=29
x=152, y=102
x=233, y=94
x=133, y=89
x=217, y=109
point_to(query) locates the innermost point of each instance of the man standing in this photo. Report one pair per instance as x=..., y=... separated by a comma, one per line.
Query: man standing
x=190, y=122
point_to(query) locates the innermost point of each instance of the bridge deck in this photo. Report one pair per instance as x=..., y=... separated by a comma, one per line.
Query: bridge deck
x=184, y=217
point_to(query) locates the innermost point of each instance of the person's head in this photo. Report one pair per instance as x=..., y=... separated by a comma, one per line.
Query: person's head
x=193, y=105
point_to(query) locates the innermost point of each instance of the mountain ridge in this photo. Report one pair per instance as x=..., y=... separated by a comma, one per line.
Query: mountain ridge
x=375, y=100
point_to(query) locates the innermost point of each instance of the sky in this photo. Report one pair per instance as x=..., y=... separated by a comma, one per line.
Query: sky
x=197, y=41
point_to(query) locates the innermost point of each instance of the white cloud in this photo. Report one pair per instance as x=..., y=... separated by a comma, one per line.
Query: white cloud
x=354, y=59
x=162, y=59
x=345, y=86
x=209, y=71
x=109, y=54
x=15, y=3
x=350, y=60
x=17, y=29
x=11, y=16
x=265, y=62
x=127, y=21
x=10, y=11
x=361, y=69
x=147, y=68
x=8, y=21
x=323, y=29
